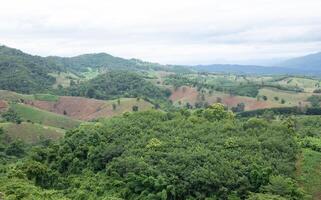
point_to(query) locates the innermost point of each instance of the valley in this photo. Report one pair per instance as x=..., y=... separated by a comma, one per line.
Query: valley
x=96, y=126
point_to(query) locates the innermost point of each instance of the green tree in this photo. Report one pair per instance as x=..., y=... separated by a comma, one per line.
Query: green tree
x=217, y=112
x=284, y=187
x=135, y=108
x=264, y=98
x=16, y=148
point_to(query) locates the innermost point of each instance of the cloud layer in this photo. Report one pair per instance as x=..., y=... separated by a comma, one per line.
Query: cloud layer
x=167, y=31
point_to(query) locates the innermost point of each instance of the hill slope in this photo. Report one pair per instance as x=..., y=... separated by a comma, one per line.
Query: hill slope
x=251, y=69
x=23, y=72
x=28, y=113
x=310, y=62
x=26, y=73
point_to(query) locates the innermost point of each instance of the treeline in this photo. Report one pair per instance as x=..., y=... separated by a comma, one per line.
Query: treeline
x=222, y=85
x=206, y=154
x=285, y=88
x=250, y=89
x=282, y=111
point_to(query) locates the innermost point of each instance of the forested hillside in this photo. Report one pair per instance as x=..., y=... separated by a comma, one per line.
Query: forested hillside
x=115, y=84
x=100, y=60
x=208, y=154
x=24, y=73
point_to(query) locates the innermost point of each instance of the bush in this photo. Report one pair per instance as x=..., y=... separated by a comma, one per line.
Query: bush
x=15, y=148
x=12, y=116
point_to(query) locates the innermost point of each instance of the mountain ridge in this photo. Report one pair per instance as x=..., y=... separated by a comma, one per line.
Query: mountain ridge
x=309, y=62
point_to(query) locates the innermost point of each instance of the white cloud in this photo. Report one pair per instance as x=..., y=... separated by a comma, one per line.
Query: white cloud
x=167, y=31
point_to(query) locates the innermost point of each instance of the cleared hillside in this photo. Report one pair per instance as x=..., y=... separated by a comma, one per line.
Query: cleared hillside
x=87, y=109
x=31, y=132
x=32, y=114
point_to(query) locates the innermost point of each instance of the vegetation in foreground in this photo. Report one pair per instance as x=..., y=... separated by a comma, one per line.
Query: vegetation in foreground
x=207, y=154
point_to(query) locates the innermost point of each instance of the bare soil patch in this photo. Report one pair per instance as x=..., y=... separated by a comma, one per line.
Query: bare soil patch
x=87, y=109
x=184, y=94
x=3, y=104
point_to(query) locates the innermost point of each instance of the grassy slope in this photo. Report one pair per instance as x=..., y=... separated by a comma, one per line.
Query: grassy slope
x=13, y=96
x=127, y=103
x=46, y=97
x=309, y=173
x=44, y=117
x=63, y=79
x=31, y=132
x=309, y=85
x=291, y=98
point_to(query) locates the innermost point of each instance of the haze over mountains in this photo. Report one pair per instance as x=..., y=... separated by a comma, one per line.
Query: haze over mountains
x=308, y=65
x=33, y=68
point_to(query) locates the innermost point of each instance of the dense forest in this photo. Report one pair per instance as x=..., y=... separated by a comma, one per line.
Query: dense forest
x=206, y=154
x=24, y=73
x=115, y=84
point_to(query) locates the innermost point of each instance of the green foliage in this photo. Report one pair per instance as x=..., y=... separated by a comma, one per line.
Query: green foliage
x=224, y=85
x=245, y=90
x=255, y=123
x=103, y=61
x=16, y=148
x=46, y=97
x=315, y=100
x=113, y=84
x=135, y=108
x=35, y=115
x=155, y=155
x=12, y=116
x=262, y=196
x=24, y=73
x=284, y=187
x=309, y=173
x=217, y=112
x=239, y=107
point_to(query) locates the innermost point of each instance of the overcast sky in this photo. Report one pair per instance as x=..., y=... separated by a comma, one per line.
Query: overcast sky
x=165, y=31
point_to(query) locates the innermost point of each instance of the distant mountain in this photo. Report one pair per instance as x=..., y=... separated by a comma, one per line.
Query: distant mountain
x=310, y=62
x=99, y=60
x=306, y=65
x=245, y=69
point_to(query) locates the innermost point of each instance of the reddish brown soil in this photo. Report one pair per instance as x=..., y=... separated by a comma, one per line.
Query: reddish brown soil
x=191, y=95
x=184, y=94
x=3, y=105
x=88, y=109
x=75, y=107
x=250, y=103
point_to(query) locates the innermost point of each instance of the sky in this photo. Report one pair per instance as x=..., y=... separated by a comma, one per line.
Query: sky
x=165, y=31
